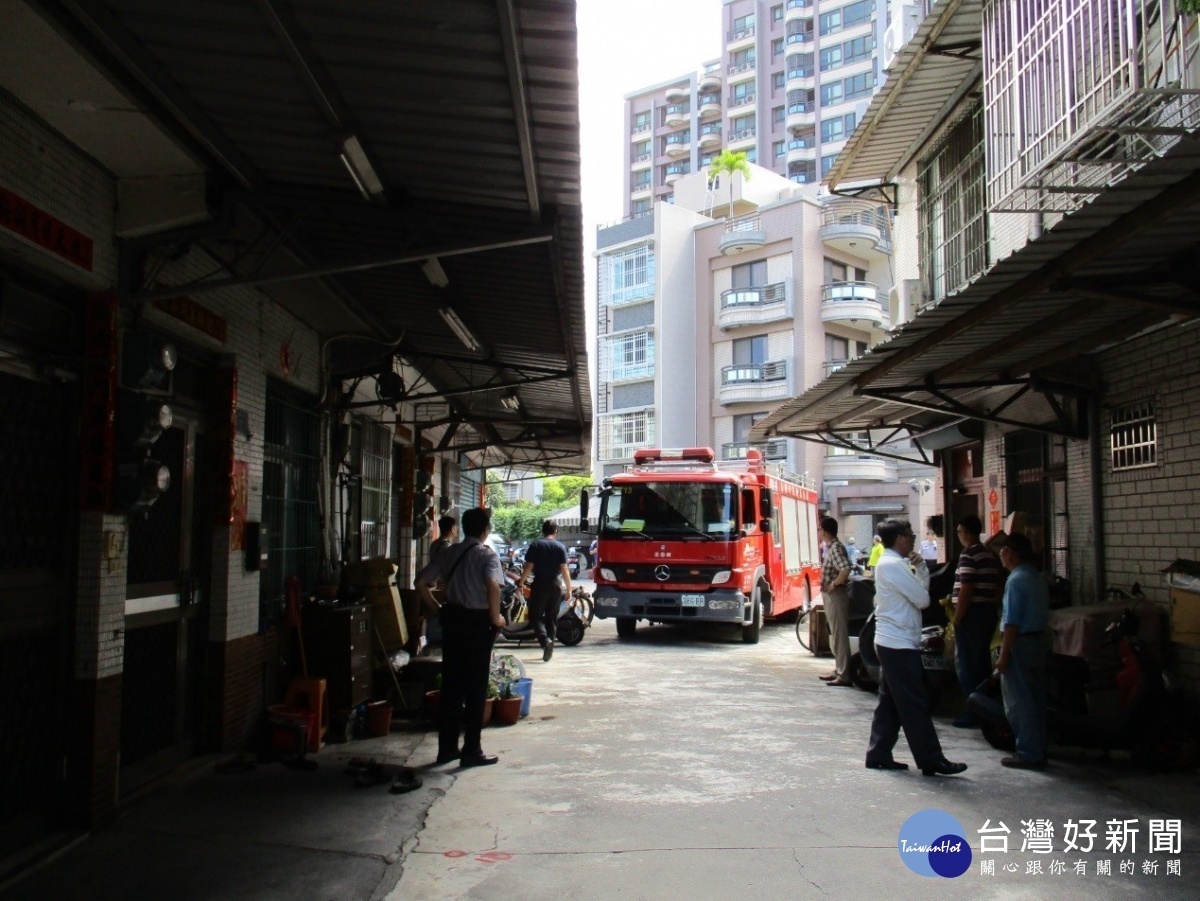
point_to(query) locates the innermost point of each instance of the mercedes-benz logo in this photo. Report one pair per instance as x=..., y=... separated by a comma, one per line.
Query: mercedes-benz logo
x=662, y=572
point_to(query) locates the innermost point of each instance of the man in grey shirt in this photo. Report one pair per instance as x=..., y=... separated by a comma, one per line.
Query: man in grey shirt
x=470, y=618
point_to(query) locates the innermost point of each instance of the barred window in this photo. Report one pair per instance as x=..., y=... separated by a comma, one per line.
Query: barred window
x=1134, y=436
x=627, y=276
x=628, y=356
x=376, y=472
x=623, y=433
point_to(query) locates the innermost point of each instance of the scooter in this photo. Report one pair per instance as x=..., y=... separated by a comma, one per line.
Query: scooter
x=574, y=613
x=1136, y=724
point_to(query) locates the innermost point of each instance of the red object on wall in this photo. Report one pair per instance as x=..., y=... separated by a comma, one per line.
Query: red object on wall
x=225, y=417
x=38, y=227
x=98, y=429
x=994, y=523
x=239, y=503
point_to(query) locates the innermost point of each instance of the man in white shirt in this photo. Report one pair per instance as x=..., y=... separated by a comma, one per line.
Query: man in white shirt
x=901, y=593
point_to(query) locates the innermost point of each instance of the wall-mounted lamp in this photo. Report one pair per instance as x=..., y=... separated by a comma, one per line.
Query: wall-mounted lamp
x=354, y=158
x=511, y=402
x=435, y=273
x=460, y=330
x=921, y=486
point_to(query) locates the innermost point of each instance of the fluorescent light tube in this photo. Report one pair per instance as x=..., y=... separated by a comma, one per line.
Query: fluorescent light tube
x=435, y=273
x=456, y=325
x=354, y=158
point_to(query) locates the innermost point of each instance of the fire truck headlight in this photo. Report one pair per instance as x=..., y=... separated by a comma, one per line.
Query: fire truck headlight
x=606, y=602
x=607, y=574
x=723, y=576
x=723, y=605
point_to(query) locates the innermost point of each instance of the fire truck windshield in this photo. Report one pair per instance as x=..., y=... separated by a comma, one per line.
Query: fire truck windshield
x=675, y=509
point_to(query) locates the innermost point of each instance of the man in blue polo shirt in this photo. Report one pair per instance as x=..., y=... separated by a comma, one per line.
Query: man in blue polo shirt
x=1023, y=653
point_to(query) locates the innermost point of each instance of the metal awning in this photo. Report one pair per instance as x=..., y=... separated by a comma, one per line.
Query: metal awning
x=929, y=75
x=364, y=139
x=1011, y=347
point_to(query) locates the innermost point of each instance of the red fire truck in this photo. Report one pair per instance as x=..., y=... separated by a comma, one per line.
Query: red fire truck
x=683, y=538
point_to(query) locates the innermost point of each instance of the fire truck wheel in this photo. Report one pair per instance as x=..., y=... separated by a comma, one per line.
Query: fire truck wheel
x=626, y=626
x=750, y=632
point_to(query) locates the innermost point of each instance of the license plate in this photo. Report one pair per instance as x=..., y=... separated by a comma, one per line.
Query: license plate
x=692, y=600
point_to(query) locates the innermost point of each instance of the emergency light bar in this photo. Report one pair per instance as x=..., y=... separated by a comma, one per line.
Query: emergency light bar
x=673, y=455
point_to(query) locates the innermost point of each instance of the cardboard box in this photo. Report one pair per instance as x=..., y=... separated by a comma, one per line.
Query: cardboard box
x=388, y=614
x=376, y=573
x=1183, y=578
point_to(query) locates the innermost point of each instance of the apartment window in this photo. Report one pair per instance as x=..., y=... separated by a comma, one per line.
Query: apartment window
x=833, y=129
x=1134, y=436
x=777, y=115
x=752, y=155
x=847, y=16
x=743, y=24
x=641, y=180
x=779, y=148
x=641, y=121
x=836, y=271
x=631, y=356
x=750, y=351
x=743, y=124
x=743, y=58
x=742, y=93
x=951, y=209
x=624, y=433
x=831, y=93
x=776, y=47
x=641, y=150
x=742, y=424
x=627, y=275
x=860, y=85
x=707, y=158
x=827, y=162
x=641, y=207
x=859, y=48
x=837, y=349
x=750, y=275
x=777, y=13
x=778, y=80
x=831, y=58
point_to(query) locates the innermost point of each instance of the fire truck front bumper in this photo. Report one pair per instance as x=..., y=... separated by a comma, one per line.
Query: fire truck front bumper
x=717, y=605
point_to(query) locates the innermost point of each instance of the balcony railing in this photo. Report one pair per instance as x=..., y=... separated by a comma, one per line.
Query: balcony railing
x=849, y=291
x=741, y=99
x=849, y=219
x=640, y=129
x=738, y=68
x=744, y=297
x=745, y=134
x=746, y=31
x=641, y=158
x=853, y=302
x=800, y=37
x=775, y=449
x=832, y=366
x=754, y=372
x=799, y=4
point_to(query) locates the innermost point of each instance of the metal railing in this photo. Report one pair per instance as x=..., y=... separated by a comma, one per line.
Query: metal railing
x=743, y=135
x=754, y=372
x=742, y=99
x=776, y=449
x=640, y=129
x=744, y=224
x=749, y=297
x=738, y=68
x=850, y=291
x=800, y=37
x=853, y=211
x=737, y=34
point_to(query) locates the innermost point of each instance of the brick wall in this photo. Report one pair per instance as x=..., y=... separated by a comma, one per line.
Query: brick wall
x=245, y=680
x=94, y=749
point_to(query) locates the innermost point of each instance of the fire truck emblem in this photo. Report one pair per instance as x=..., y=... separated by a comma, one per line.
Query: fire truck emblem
x=662, y=572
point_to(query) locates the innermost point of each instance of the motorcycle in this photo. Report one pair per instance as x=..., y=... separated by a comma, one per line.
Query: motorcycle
x=574, y=613
x=1136, y=724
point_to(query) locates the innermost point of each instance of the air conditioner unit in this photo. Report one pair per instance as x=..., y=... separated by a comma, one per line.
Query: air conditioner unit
x=901, y=31
x=905, y=300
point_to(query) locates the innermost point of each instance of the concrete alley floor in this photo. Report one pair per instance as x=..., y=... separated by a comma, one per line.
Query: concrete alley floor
x=681, y=764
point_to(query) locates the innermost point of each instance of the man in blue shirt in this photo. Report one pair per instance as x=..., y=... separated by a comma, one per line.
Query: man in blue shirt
x=547, y=560
x=1023, y=653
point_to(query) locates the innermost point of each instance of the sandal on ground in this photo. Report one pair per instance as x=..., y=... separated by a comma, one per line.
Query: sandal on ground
x=406, y=781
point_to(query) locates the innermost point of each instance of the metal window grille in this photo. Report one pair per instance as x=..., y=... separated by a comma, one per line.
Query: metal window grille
x=291, y=514
x=376, y=488
x=1035, y=472
x=627, y=276
x=953, y=209
x=627, y=356
x=1134, y=436
x=623, y=433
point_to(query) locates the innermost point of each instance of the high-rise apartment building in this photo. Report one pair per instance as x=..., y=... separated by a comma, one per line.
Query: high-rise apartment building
x=793, y=79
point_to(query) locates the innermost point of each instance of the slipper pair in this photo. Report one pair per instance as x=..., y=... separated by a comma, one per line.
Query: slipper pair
x=406, y=781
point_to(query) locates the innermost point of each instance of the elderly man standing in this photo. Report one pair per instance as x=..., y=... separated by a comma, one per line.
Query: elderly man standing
x=1023, y=653
x=835, y=573
x=901, y=593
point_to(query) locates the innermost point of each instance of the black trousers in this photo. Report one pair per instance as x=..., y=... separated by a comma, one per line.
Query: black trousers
x=545, y=597
x=903, y=703
x=467, y=639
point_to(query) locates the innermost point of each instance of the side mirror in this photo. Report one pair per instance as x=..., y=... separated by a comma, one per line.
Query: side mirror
x=583, y=511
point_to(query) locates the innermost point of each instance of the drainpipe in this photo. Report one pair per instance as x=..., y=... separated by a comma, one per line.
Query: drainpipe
x=1094, y=450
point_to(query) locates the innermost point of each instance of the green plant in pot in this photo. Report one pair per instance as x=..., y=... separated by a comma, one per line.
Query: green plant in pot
x=505, y=672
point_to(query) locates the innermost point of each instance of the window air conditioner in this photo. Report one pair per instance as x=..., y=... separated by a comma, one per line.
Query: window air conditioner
x=905, y=300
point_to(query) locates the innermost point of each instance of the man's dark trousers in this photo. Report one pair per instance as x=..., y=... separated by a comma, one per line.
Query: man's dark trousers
x=903, y=702
x=467, y=638
x=972, y=644
x=545, y=597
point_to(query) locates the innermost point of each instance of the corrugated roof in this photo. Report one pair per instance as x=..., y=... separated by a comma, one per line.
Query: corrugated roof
x=1121, y=264
x=927, y=74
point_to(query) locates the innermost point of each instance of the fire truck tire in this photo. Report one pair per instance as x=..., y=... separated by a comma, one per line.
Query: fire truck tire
x=750, y=632
x=626, y=626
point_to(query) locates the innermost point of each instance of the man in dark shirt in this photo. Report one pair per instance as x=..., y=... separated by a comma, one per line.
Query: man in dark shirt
x=547, y=560
x=447, y=533
x=977, y=583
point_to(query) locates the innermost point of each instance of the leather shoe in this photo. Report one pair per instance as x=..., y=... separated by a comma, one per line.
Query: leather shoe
x=829, y=678
x=1018, y=762
x=944, y=768
x=547, y=652
x=448, y=756
x=478, y=760
x=887, y=765
x=839, y=682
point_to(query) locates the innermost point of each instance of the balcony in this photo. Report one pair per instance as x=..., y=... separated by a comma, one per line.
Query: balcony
x=740, y=35
x=676, y=94
x=753, y=306
x=641, y=161
x=642, y=129
x=742, y=71
x=678, y=145
x=676, y=172
x=710, y=135
x=710, y=79
x=740, y=139
x=677, y=114
x=854, y=302
x=801, y=116
x=856, y=226
x=800, y=39
x=641, y=188
x=801, y=151
x=754, y=383
x=849, y=467
x=709, y=105
x=798, y=11
x=737, y=101
x=800, y=80
x=741, y=235
x=776, y=449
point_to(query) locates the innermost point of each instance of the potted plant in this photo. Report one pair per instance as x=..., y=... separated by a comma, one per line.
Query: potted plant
x=493, y=692
x=506, y=709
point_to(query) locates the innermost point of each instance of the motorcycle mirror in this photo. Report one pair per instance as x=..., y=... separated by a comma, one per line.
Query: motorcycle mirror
x=583, y=511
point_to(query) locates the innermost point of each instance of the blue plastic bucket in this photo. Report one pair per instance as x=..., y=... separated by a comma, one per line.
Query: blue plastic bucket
x=524, y=688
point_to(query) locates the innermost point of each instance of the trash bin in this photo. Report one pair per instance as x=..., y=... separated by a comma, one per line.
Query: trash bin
x=524, y=687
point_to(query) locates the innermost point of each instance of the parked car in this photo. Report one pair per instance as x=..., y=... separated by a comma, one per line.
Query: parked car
x=502, y=548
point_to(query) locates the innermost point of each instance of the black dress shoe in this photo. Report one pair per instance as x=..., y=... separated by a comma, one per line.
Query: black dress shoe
x=887, y=765
x=447, y=756
x=944, y=768
x=478, y=760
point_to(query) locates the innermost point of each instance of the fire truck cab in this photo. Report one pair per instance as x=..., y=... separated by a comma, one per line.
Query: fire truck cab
x=683, y=538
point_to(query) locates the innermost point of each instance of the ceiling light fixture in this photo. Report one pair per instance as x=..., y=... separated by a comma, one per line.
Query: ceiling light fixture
x=354, y=158
x=511, y=402
x=435, y=273
x=459, y=328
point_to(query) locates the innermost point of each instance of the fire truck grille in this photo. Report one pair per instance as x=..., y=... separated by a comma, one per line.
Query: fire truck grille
x=678, y=574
